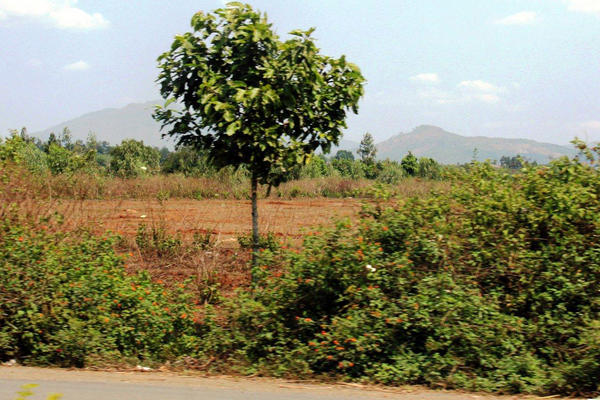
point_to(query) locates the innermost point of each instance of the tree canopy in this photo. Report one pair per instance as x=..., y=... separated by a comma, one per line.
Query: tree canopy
x=249, y=98
x=367, y=149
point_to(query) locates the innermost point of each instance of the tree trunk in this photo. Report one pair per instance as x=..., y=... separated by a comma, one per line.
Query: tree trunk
x=255, y=235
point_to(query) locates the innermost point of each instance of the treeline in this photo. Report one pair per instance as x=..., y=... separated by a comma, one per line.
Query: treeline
x=60, y=154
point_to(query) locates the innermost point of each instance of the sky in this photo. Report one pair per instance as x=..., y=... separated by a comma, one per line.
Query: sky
x=500, y=68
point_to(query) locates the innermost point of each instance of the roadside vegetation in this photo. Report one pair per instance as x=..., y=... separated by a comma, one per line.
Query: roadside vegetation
x=477, y=277
x=491, y=285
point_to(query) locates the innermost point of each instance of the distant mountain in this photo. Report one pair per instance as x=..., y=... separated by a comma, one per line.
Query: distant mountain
x=450, y=148
x=133, y=121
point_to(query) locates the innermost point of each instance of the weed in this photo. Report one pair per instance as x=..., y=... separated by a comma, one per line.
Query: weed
x=266, y=241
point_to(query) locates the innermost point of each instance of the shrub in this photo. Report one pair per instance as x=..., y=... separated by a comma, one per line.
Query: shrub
x=20, y=149
x=156, y=239
x=67, y=300
x=266, y=241
x=491, y=286
x=390, y=172
x=132, y=158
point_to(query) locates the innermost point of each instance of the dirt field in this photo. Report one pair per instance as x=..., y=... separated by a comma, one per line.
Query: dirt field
x=226, y=218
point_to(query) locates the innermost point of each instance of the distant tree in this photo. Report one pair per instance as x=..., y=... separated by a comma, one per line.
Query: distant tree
x=164, y=153
x=367, y=150
x=52, y=140
x=132, y=158
x=344, y=155
x=410, y=163
x=514, y=163
x=103, y=147
x=252, y=100
x=65, y=138
x=187, y=160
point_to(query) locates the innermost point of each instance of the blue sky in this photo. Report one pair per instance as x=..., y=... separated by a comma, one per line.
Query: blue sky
x=504, y=68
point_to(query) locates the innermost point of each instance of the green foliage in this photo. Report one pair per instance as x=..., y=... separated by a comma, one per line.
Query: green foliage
x=61, y=160
x=367, y=149
x=204, y=241
x=428, y=168
x=20, y=149
x=266, y=242
x=188, y=161
x=132, y=159
x=349, y=169
x=492, y=286
x=68, y=301
x=316, y=168
x=390, y=172
x=251, y=99
x=410, y=163
x=156, y=239
x=344, y=155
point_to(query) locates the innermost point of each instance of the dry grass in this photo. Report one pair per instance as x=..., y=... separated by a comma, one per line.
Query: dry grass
x=181, y=207
x=222, y=186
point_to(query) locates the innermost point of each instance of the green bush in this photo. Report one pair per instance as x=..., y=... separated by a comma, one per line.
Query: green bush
x=132, y=159
x=20, y=149
x=156, y=239
x=266, y=241
x=68, y=301
x=493, y=286
x=390, y=172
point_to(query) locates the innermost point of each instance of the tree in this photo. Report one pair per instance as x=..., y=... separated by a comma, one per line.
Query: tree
x=344, y=155
x=367, y=150
x=410, y=163
x=133, y=158
x=248, y=98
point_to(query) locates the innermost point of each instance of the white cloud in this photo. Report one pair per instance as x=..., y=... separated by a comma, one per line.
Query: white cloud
x=587, y=6
x=430, y=78
x=479, y=86
x=60, y=13
x=522, y=18
x=2, y=16
x=590, y=125
x=74, y=18
x=464, y=92
x=481, y=91
x=77, y=66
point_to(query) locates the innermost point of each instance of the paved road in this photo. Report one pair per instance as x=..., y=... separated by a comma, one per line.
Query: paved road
x=90, y=385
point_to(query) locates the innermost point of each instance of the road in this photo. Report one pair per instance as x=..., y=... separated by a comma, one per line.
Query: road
x=95, y=385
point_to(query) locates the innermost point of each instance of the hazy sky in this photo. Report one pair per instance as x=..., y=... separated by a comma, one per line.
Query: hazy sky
x=509, y=68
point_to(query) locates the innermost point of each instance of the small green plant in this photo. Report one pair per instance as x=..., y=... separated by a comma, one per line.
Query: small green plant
x=163, y=195
x=267, y=241
x=156, y=239
x=295, y=192
x=204, y=241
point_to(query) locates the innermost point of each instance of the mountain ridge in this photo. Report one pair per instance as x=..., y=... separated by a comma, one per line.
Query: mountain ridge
x=451, y=148
x=134, y=121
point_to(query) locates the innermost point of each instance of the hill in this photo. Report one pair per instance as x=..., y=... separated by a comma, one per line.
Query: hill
x=133, y=121
x=450, y=148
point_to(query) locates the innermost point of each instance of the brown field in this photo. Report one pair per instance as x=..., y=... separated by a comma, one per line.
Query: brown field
x=288, y=219
x=224, y=264
x=167, y=204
